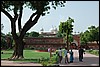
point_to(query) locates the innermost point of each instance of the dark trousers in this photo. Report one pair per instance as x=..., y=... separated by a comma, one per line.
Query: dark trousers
x=60, y=58
x=80, y=57
x=66, y=59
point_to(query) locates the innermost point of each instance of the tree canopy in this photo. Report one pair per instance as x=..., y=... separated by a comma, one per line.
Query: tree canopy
x=40, y=8
x=32, y=34
x=90, y=35
x=66, y=28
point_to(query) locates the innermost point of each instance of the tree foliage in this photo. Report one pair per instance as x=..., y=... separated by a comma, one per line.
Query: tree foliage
x=40, y=6
x=90, y=35
x=3, y=41
x=85, y=37
x=32, y=34
x=59, y=34
x=66, y=28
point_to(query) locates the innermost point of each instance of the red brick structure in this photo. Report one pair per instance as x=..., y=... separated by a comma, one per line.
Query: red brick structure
x=56, y=42
x=53, y=42
x=76, y=42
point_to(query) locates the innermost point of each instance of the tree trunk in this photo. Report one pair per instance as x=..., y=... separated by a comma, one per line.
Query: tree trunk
x=67, y=43
x=18, y=49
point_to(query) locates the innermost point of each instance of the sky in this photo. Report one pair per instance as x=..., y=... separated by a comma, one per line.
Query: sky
x=84, y=13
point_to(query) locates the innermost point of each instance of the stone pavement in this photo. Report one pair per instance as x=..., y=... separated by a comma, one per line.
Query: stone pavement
x=12, y=63
x=89, y=60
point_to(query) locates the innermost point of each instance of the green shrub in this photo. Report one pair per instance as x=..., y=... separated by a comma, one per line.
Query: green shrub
x=95, y=52
x=44, y=63
x=49, y=62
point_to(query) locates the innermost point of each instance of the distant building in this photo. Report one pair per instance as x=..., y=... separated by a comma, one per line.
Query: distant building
x=52, y=33
x=76, y=41
x=46, y=42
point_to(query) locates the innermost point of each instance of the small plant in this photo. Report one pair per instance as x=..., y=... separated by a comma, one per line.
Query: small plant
x=49, y=62
x=44, y=63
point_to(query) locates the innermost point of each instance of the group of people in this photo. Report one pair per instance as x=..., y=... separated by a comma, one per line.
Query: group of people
x=66, y=51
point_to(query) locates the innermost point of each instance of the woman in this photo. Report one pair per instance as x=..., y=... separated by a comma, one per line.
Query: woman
x=71, y=56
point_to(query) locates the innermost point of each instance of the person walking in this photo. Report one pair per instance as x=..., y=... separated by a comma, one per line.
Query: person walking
x=81, y=51
x=71, y=56
x=60, y=55
x=66, y=55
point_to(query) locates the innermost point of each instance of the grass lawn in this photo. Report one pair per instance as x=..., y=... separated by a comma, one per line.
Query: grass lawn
x=29, y=55
x=95, y=52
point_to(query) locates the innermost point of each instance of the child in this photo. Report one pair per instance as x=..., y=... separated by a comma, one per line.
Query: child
x=71, y=56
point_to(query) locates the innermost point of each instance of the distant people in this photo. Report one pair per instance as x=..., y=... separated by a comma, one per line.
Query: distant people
x=60, y=54
x=50, y=51
x=66, y=55
x=81, y=51
x=71, y=56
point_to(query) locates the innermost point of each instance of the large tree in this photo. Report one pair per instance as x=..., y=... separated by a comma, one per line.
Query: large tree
x=39, y=8
x=90, y=35
x=66, y=28
x=94, y=34
x=85, y=37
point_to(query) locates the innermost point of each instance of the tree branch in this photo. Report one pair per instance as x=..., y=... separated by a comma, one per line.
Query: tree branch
x=6, y=13
x=28, y=25
x=32, y=16
x=20, y=16
x=13, y=20
x=13, y=24
x=13, y=28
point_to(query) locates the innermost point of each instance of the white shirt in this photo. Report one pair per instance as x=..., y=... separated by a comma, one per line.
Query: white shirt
x=60, y=52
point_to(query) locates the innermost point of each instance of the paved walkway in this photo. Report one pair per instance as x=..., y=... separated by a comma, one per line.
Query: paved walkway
x=12, y=63
x=89, y=60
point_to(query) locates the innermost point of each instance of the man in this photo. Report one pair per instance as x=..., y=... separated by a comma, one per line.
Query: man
x=81, y=51
x=65, y=54
x=60, y=54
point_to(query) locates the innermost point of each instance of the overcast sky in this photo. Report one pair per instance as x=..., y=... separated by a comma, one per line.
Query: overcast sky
x=84, y=13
